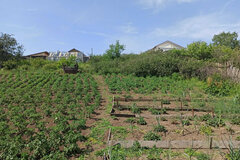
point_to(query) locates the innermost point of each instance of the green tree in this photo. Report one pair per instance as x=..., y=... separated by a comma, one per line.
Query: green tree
x=199, y=50
x=226, y=39
x=9, y=48
x=115, y=50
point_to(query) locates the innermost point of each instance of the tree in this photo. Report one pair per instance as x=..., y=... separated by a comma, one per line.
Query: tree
x=9, y=48
x=115, y=51
x=226, y=39
x=199, y=50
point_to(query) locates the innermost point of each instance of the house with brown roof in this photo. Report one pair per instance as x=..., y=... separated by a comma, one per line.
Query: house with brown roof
x=166, y=46
x=42, y=55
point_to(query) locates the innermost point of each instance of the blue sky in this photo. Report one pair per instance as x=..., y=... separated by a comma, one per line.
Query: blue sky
x=51, y=25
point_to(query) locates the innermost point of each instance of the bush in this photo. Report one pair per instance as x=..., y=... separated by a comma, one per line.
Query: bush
x=10, y=64
x=51, y=66
x=199, y=50
x=217, y=86
x=151, y=64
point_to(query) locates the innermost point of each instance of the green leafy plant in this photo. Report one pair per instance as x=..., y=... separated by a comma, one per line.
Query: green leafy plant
x=141, y=121
x=135, y=109
x=151, y=136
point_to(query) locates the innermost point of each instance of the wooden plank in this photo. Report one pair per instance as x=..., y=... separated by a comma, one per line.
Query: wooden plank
x=170, y=99
x=181, y=144
x=167, y=108
x=122, y=115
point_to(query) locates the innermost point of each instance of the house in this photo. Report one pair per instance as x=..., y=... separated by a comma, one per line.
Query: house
x=55, y=56
x=42, y=55
x=166, y=46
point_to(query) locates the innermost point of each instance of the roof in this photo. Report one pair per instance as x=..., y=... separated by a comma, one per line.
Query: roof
x=38, y=54
x=74, y=50
x=170, y=43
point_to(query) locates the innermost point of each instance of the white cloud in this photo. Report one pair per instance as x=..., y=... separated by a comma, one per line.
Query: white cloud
x=199, y=27
x=160, y=3
x=128, y=29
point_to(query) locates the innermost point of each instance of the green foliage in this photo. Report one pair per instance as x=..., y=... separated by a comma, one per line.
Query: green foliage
x=216, y=122
x=206, y=130
x=71, y=61
x=135, y=109
x=9, y=48
x=157, y=111
x=217, y=86
x=160, y=128
x=141, y=121
x=235, y=120
x=29, y=100
x=131, y=120
x=233, y=154
x=185, y=122
x=115, y=50
x=199, y=50
x=10, y=64
x=190, y=153
x=151, y=136
x=151, y=64
x=206, y=117
x=227, y=39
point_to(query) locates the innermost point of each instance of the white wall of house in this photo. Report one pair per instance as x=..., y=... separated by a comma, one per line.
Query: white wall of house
x=55, y=56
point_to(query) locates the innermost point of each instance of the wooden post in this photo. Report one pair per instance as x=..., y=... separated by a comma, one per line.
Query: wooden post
x=113, y=101
x=161, y=105
x=192, y=112
x=210, y=144
x=181, y=105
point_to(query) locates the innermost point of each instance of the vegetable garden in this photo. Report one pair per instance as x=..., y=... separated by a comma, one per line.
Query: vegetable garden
x=173, y=109
x=43, y=114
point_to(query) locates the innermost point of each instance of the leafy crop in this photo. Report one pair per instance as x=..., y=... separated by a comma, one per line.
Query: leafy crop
x=43, y=112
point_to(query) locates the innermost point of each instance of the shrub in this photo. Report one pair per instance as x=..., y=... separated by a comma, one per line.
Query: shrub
x=199, y=50
x=218, y=86
x=51, y=66
x=10, y=64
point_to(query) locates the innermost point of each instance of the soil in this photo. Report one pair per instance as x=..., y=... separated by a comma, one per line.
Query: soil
x=175, y=131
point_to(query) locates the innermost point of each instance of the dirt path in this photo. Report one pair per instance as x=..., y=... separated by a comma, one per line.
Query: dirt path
x=99, y=114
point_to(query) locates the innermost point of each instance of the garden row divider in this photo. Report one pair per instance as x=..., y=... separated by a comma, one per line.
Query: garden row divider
x=168, y=99
x=181, y=144
x=168, y=109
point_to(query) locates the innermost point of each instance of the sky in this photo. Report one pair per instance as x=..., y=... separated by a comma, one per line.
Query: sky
x=52, y=25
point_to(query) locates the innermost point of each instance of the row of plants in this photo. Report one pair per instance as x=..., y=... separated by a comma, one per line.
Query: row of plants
x=44, y=113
